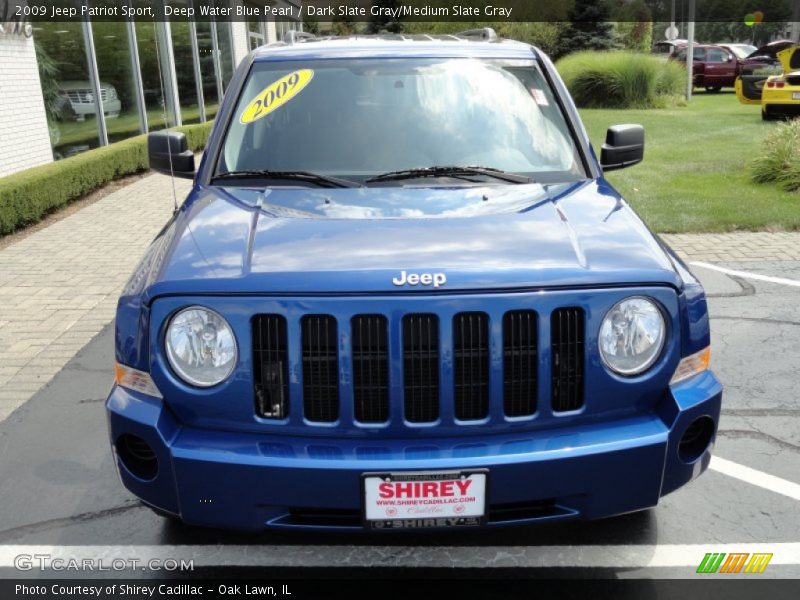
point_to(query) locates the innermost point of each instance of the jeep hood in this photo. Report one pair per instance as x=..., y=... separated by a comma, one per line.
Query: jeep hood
x=301, y=241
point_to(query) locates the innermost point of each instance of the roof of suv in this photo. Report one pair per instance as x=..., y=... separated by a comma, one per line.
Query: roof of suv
x=391, y=46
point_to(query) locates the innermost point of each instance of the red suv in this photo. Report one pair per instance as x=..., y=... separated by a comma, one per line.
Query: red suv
x=718, y=65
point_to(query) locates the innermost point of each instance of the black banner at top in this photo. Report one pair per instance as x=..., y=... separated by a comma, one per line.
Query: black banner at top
x=15, y=14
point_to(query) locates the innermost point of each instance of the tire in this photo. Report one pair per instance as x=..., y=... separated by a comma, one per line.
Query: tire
x=713, y=89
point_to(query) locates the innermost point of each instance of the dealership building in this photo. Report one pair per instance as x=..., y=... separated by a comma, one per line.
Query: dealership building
x=67, y=87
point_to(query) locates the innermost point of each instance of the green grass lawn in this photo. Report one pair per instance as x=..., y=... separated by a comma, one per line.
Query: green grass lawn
x=695, y=176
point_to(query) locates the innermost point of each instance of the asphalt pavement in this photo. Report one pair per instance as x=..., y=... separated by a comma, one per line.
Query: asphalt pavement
x=60, y=491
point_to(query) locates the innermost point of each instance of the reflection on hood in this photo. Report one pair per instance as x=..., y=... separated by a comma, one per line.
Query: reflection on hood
x=397, y=202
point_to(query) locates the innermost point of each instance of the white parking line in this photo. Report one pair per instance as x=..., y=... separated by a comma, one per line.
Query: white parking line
x=755, y=477
x=746, y=275
x=626, y=556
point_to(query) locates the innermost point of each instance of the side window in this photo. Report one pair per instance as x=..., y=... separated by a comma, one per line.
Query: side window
x=794, y=61
x=699, y=53
x=717, y=55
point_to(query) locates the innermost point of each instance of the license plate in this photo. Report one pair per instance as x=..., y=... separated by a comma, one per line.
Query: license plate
x=795, y=95
x=424, y=499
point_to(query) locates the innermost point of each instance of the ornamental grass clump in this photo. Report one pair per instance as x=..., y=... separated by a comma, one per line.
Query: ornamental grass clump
x=779, y=162
x=621, y=79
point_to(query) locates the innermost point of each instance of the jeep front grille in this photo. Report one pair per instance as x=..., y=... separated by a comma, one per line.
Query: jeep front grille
x=370, y=368
x=421, y=367
x=471, y=365
x=270, y=372
x=567, y=352
x=320, y=368
x=467, y=366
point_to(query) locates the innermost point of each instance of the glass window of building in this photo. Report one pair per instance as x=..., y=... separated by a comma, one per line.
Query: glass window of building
x=183, y=70
x=225, y=50
x=205, y=52
x=68, y=94
x=156, y=93
x=187, y=86
x=256, y=34
x=117, y=85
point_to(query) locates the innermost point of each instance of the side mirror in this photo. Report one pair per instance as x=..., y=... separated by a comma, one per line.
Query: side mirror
x=169, y=153
x=624, y=147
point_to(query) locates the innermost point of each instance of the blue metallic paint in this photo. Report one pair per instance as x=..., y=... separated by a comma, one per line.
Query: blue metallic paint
x=251, y=480
x=295, y=251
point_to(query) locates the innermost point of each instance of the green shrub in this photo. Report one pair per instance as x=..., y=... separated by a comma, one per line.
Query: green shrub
x=621, y=79
x=27, y=196
x=780, y=161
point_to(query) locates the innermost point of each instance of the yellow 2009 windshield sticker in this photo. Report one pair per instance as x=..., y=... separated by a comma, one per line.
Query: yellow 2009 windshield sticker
x=276, y=95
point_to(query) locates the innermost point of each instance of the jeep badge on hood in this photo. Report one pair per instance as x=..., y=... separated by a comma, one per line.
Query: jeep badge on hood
x=435, y=279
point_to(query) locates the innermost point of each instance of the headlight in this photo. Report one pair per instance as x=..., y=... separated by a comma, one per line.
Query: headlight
x=200, y=346
x=632, y=336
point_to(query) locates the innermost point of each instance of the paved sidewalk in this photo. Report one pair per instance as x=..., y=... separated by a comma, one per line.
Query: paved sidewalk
x=59, y=286
x=736, y=247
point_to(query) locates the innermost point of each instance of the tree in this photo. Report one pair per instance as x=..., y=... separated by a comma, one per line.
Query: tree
x=548, y=36
x=382, y=24
x=589, y=27
x=343, y=25
x=311, y=25
x=634, y=25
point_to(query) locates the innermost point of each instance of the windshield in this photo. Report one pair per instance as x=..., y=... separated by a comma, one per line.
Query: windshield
x=359, y=118
x=742, y=51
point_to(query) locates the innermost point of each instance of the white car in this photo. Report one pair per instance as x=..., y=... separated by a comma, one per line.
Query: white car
x=79, y=99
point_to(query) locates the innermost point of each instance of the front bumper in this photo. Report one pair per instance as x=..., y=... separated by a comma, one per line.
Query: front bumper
x=90, y=108
x=252, y=481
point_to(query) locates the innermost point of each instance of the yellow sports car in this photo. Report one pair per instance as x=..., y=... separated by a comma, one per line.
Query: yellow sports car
x=778, y=94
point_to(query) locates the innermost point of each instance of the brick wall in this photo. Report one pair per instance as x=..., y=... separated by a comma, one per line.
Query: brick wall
x=24, y=138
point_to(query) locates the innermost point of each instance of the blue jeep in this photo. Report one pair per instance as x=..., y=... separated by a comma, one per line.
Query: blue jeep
x=401, y=294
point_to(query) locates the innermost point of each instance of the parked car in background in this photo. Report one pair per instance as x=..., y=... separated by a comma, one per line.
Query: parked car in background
x=718, y=65
x=777, y=90
x=77, y=100
x=741, y=51
x=667, y=47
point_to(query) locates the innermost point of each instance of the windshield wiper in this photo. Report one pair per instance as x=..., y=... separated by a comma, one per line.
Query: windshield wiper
x=306, y=176
x=450, y=171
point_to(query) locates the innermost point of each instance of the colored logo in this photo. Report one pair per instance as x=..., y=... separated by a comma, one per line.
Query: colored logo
x=735, y=562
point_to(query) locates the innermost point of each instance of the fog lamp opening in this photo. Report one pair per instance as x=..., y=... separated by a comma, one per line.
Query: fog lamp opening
x=137, y=456
x=696, y=439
